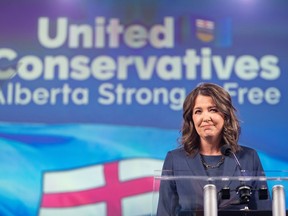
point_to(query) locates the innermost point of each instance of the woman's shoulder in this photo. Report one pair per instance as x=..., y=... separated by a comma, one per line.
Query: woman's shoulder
x=247, y=149
x=177, y=152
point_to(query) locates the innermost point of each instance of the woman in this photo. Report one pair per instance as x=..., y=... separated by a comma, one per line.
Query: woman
x=209, y=123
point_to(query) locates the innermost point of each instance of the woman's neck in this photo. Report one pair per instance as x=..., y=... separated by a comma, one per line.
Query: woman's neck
x=209, y=148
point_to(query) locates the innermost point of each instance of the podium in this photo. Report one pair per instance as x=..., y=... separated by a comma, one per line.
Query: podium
x=249, y=193
x=229, y=213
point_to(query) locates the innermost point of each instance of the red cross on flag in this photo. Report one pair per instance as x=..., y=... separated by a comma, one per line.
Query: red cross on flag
x=113, y=189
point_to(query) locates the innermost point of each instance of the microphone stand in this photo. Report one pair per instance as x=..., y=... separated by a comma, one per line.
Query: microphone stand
x=244, y=191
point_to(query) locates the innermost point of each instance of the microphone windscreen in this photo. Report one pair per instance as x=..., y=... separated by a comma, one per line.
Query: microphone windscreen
x=226, y=150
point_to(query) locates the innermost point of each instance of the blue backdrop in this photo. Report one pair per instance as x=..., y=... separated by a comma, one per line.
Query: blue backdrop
x=92, y=86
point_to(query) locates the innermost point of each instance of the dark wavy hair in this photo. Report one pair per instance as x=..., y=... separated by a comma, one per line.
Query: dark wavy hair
x=231, y=130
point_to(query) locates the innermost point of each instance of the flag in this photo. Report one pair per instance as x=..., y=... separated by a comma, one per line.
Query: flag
x=110, y=189
x=205, y=30
x=216, y=32
x=79, y=169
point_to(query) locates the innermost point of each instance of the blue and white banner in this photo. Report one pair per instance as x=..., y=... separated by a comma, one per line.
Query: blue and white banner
x=91, y=94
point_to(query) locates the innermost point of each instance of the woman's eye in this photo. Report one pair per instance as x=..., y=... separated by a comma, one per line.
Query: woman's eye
x=197, y=111
x=213, y=110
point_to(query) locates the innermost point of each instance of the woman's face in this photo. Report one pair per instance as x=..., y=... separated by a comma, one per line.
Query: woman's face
x=208, y=121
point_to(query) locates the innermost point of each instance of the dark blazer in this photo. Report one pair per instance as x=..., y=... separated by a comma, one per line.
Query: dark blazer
x=185, y=195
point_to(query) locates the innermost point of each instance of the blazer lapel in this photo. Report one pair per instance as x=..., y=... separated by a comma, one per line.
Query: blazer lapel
x=196, y=168
x=229, y=166
x=229, y=170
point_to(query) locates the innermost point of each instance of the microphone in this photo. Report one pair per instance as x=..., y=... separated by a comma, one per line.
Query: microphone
x=243, y=190
x=226, y=150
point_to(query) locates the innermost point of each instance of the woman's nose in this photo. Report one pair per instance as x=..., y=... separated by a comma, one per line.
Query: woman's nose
x=206, y=118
